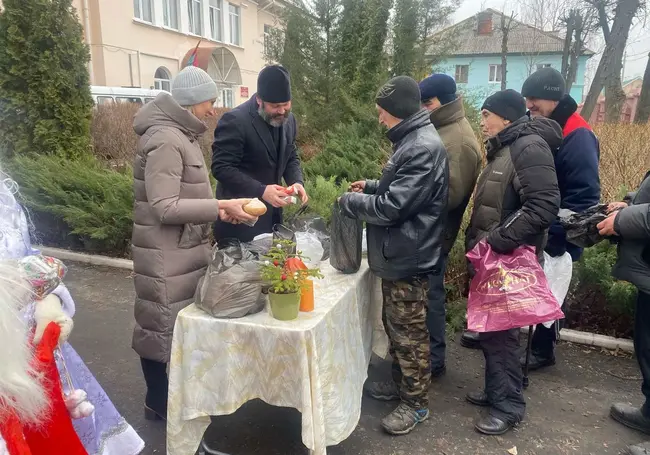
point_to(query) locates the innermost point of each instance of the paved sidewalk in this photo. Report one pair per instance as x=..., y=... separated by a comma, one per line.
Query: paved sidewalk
x=567, y=405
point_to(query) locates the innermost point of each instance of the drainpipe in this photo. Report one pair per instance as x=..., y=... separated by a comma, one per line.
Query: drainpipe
x=86, y=16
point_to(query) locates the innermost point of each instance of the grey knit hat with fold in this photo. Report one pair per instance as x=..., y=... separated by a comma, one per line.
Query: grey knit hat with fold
x=193, y=86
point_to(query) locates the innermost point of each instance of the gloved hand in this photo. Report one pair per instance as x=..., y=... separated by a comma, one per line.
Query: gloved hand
x=497, y=246
x=50, y=310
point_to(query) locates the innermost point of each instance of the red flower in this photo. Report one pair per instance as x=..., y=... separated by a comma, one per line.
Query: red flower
x=276, y=263
x=283, y=277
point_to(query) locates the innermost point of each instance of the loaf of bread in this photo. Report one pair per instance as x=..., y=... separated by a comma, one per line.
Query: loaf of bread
x=255, y=207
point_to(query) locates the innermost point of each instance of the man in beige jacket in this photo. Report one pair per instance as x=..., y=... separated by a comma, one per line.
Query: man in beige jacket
x=439, y=96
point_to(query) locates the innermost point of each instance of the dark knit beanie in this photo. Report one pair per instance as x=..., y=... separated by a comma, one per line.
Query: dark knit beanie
x=274, y=84
x=400, y=97
x=507, y=104
x=441, y=86
x=545, y=84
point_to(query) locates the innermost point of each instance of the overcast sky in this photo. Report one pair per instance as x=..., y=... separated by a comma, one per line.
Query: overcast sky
x=637, y=48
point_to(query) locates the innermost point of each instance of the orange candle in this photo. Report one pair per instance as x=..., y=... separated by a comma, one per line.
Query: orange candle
x=307, y=297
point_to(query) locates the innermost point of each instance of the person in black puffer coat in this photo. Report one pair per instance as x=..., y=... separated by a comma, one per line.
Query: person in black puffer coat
x=516, y=200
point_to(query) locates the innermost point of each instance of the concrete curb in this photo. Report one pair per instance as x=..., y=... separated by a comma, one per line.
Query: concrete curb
x=595, y=340
x=573, y=336
x=67, y=255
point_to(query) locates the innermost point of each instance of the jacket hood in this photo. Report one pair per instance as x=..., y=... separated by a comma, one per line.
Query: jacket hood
x=448, y=113
x=564, y=110
x=414, y=122
x=549, y=130
x=165, y=111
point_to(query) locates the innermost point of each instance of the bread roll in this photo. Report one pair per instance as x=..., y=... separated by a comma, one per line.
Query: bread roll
x=255, y=207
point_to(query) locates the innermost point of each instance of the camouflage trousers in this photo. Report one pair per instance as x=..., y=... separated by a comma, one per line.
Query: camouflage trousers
x=404, y=315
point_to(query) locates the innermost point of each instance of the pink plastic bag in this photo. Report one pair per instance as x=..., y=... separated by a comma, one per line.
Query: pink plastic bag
x=508, y=290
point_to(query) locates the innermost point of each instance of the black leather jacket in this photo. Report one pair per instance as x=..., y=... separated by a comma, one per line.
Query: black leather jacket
x=405, y=209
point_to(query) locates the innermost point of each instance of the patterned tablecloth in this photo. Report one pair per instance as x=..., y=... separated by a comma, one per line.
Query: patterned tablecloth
x=316, y=364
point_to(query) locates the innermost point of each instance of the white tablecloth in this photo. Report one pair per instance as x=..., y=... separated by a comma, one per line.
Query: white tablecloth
x=316, y=364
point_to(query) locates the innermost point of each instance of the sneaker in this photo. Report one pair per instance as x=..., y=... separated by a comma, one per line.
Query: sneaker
x=403, y=419
x=382, y=391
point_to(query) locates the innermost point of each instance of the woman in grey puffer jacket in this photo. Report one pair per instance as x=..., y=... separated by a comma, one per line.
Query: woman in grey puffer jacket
x=174, y=206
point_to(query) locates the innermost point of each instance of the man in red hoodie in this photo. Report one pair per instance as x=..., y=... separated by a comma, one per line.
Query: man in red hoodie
x=576, y=164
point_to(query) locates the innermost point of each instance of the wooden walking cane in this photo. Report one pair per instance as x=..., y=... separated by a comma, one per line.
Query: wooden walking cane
x=528, y=349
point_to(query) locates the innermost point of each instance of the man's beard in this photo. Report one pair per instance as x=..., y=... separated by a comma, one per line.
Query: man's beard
x=275, y=121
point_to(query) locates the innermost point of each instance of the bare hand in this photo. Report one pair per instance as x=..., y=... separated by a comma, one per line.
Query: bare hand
x=276, y=196
x=302, y=194
x=606, y=227
x=234, y=210
x=223, y=216
x=358, y=187
x=615, y=206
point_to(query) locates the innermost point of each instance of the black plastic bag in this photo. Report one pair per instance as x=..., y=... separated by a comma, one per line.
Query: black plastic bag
x=581, y=227
x=232, y=285
x=346, y=235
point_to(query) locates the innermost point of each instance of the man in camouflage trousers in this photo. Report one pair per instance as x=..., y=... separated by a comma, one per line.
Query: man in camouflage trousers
x=404, y=213
x=404, y=316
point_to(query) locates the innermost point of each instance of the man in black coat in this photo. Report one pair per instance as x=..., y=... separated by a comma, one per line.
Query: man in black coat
x=254, y=149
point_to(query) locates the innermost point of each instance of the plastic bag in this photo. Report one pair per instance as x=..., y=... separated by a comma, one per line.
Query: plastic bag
x=558, y=273
x=316, y=226
x=346, y=235
x=311, y=248
x=508, y=290
x=581, y=227
x=232, y=285
x=15, y=241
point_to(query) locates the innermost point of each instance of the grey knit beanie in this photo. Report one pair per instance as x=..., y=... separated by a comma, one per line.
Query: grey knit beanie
x=193, y=86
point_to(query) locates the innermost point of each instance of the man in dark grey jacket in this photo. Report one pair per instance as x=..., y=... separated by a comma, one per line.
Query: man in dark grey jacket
x=405, y=215
x=630, y=224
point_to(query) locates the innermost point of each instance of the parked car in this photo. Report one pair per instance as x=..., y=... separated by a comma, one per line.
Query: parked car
x=106, y=95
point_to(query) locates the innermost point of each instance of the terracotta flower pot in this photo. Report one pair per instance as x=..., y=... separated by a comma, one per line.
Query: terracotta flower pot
x=284, y=307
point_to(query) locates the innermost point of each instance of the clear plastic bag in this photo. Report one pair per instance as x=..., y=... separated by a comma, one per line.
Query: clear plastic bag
x=346, y=236
x=232, y=285
x=311, y=248
x=558, y=273
x=508, y=290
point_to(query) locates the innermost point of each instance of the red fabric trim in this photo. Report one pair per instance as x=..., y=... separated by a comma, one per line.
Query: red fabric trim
x=12, y=432
x=56, y=436
x=575, y=122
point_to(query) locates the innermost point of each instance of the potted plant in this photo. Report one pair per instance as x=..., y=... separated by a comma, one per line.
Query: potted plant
x=286, y=275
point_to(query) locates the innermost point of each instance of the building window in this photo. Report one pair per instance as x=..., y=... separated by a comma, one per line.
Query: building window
x=162, y=80
x=495, y=73
x=215, y=19
x=226, y=98
x=194, y=8
x=462, y=74
x=143, y=10
x=233, y=14
x=170, y=13
x=267, y=39
x=543, y=65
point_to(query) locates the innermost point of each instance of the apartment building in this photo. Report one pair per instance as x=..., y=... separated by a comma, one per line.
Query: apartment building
x=144, y=43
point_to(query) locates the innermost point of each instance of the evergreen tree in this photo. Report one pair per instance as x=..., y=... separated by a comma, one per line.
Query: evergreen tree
x=372, y=66
x=405, y=37
x=350, y=31
x=45, y=102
